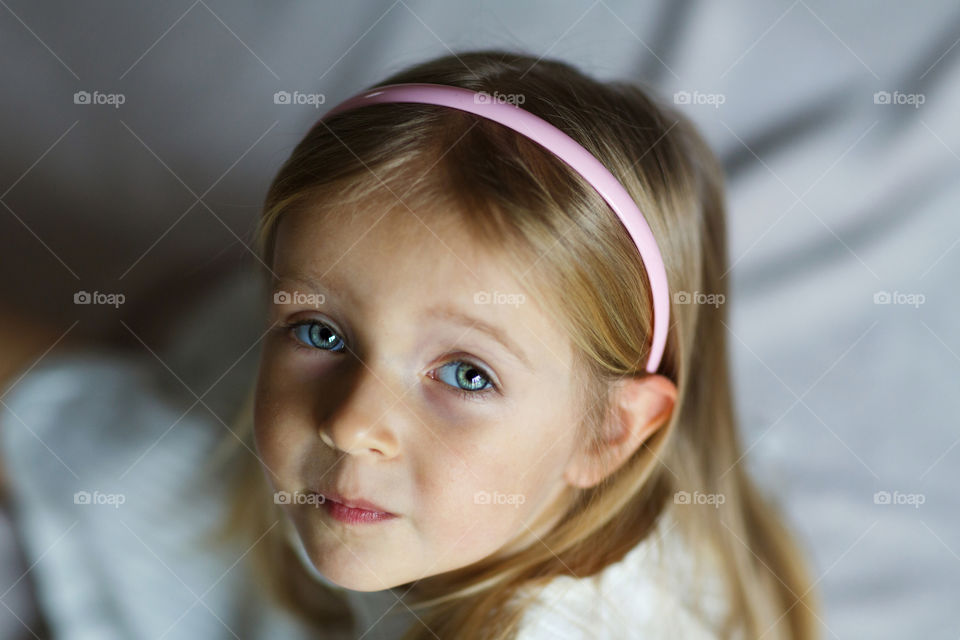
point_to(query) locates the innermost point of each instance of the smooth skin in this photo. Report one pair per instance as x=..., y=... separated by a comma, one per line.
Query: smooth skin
x=363, y=399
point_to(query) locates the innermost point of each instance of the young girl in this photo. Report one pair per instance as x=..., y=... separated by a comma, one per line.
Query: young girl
x=465, y=420
x=493, y=397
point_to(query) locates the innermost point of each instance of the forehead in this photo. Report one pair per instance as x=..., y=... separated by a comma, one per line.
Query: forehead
x=396, y=261
x=370, y=246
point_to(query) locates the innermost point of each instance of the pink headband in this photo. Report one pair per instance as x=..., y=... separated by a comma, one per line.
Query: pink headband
x=565, y=148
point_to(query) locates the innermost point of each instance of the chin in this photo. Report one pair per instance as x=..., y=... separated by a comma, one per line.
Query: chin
x=355, y=572
x=358, y=578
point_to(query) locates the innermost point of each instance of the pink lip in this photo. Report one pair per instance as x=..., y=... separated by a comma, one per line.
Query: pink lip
x=363, y=508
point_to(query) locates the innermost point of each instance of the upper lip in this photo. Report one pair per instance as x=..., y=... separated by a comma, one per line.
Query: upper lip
x=353, y=503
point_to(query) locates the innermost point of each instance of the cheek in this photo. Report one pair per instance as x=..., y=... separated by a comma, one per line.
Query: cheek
x=275, y=421
x=461, y=523
x=477, y=492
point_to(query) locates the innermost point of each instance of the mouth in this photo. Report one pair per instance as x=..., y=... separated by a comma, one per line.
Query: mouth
x=353, y=510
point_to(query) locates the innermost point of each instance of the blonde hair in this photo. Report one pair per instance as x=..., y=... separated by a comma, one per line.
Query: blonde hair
x=515, y=196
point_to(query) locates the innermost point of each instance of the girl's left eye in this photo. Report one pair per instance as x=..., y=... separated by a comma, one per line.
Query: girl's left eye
x=316, y=335
x=467, y=379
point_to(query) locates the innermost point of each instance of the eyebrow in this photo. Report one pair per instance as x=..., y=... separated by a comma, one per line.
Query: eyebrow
x=446, y=314
x=314, y=285
x=495, y=332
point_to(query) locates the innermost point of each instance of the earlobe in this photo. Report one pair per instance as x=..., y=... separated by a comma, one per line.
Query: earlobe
x=641, y=406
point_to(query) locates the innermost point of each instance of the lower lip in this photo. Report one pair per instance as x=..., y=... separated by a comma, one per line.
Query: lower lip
x=354, y=516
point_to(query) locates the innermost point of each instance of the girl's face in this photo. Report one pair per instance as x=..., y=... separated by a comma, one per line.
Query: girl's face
x=464, y=437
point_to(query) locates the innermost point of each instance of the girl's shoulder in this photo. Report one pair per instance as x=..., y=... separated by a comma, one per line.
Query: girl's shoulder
x=650, y=593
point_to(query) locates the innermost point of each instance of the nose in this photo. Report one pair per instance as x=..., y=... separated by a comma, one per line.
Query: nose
x=364, y=419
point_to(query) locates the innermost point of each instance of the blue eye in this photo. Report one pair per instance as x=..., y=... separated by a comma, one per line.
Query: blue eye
x=467, y=379
x=316, y=335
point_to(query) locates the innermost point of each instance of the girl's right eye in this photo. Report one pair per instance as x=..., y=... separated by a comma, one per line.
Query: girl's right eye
x=315, y=335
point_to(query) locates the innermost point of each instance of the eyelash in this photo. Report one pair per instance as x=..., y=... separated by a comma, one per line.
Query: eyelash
x=475, y=396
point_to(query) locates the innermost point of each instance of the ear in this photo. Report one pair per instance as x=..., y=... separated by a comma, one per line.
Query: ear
x=641, y=406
